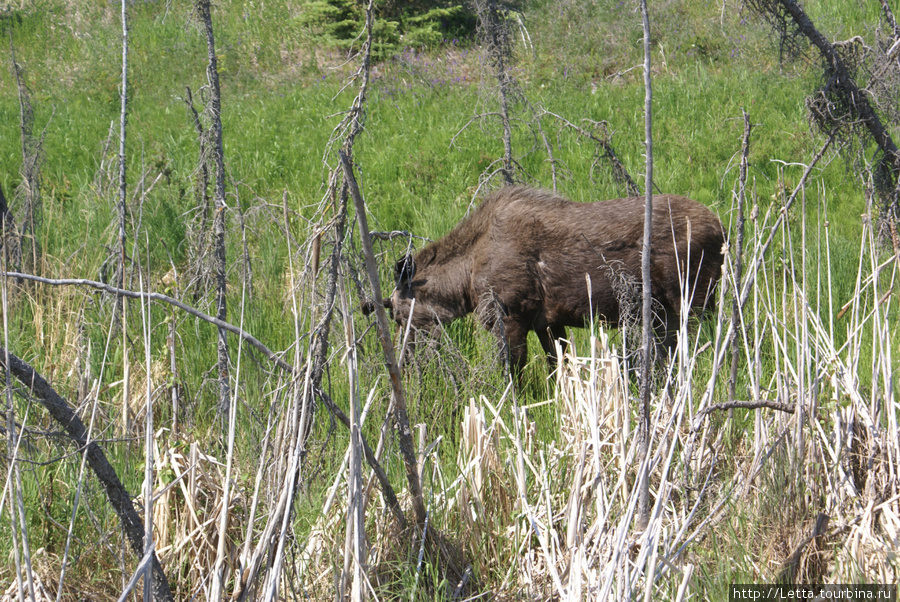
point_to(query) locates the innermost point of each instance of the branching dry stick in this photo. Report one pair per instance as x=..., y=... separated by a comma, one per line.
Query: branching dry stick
x=203, y=173
x=60, y=410
x=620, y=174
x=495, y=37
x=739, y=255
x=744, y=293
x=355, y=547
x=220, y=265
x=407, y=446
x=30, y=187
x=742, y=405
x=275, y=358
x=349, y=128
x=647, y=314
x=889, y=17
x=773, y=230
x=320, y=340
x=221, y=324
x=387, y=489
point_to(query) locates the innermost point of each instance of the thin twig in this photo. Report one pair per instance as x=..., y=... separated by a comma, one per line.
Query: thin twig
x=744, y=405
x=407, y=447
x=253, y=341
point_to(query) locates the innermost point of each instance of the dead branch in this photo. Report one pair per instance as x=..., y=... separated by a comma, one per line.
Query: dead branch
x=401, y=417
x=221, y=324
x=32, y=157
x=118, y=497
x=122, y=205
x=736, y=315
x=495, y=35
x=643, y=516
x=203, y=183
x=220, y=262
x=620, y=174
x=841, y=105
x=743, y=405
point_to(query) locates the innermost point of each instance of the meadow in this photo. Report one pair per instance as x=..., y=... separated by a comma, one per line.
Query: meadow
x=786, y=473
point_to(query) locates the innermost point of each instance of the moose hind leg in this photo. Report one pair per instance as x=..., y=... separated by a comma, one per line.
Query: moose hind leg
x=666, y=324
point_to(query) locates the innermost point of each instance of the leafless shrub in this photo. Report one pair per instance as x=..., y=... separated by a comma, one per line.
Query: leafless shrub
x=494, y=32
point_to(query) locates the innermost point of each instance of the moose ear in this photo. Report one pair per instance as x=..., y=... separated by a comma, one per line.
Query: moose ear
x=404, y=271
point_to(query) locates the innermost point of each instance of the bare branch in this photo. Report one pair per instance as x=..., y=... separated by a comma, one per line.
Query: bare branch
x=407, y=447
x=253, y=341
x=840, y=108
x=220, y=263
x=620, y=174
x=736, y=315
x=646, y=284
x=63, y=413
x=743, y=405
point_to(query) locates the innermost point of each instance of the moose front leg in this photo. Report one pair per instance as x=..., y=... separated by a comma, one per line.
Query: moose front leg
x=515, y=336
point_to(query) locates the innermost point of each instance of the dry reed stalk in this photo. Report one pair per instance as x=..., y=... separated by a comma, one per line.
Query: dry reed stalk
x=222, y=556
x=355, y=551
x=38, y=592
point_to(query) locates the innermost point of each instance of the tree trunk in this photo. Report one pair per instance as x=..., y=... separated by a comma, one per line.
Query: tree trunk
x=219, y=260
x=647, y=313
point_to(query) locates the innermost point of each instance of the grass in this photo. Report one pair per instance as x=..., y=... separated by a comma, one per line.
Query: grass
x=501, y=482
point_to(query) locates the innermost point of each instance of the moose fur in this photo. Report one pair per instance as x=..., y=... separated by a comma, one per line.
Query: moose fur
x=524, y=259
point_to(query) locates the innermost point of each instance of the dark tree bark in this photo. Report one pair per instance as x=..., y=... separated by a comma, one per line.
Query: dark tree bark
x=60, y=410
x=30, y=187
x=219, y=260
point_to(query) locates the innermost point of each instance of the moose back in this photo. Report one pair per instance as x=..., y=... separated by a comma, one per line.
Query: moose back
x=525, y=259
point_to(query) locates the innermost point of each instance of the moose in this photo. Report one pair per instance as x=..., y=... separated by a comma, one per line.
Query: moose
x=527, y=259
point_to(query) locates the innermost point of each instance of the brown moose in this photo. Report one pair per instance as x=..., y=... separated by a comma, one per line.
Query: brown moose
x=520, y=262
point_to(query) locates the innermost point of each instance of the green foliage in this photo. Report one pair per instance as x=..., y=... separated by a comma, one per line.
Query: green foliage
x=425, y=24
